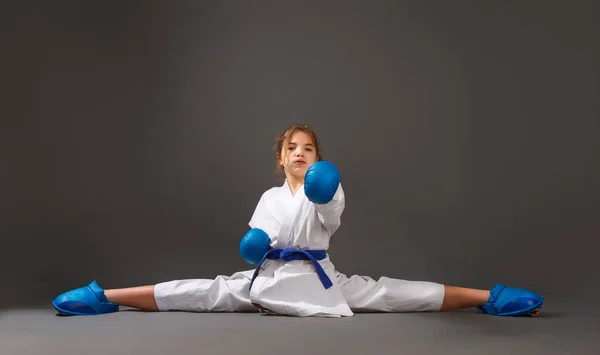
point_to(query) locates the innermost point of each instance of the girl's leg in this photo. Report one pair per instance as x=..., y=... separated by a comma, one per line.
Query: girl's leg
x=365, y=294
x=461, y=297
x=221, y=294
x=514, y=302
x=141, y=297
x=386, y=294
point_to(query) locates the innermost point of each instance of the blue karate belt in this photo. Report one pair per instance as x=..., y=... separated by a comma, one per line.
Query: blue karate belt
x=289, y=254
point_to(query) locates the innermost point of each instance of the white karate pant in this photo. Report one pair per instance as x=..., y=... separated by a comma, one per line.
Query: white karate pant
x=362, y=293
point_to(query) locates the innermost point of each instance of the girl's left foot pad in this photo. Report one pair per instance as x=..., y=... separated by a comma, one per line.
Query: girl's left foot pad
x=84, y=301
x=512, y=301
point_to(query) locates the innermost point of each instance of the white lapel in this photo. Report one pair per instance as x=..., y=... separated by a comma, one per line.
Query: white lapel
x=293, y=210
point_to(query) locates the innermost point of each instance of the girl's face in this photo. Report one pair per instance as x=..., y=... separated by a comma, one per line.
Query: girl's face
x=299, y=154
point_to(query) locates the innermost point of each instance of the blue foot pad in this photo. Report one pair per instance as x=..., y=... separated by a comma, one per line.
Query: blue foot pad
x=86, y=300
x=511, y=301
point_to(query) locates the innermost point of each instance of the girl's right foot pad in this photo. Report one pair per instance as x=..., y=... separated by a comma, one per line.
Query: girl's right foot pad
x=84, y=301
x=512, y=301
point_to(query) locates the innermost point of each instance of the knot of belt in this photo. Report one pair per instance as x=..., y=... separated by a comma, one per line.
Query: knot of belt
x=289, y=254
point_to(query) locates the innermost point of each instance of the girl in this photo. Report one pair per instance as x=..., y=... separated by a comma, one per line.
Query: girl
x=298, y=218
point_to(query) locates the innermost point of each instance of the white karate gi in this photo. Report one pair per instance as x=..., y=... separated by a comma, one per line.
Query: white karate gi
x=293, y=288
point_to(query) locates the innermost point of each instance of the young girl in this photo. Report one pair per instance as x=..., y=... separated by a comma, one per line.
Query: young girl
x=297, y=278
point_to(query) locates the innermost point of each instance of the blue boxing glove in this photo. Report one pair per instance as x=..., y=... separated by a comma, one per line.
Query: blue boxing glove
x=254, y=245
x=321, y=181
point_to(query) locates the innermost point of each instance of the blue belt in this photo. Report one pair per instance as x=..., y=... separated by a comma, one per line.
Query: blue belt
x=289, y=254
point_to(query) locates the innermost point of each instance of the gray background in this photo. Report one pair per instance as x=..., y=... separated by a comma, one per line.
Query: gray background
x=136, y=138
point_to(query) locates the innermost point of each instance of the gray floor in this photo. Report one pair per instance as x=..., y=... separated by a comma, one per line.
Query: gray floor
x=560, y=330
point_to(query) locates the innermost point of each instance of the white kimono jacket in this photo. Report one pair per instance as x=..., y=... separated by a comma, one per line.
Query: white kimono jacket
x=293, y=287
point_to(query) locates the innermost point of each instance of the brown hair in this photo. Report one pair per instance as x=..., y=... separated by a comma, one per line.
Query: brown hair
x=283, y=140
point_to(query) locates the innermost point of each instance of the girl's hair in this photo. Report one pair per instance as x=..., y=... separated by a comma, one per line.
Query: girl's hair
x=283, y=140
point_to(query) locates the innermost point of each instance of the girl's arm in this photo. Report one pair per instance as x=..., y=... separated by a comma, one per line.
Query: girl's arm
x=330, y=213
